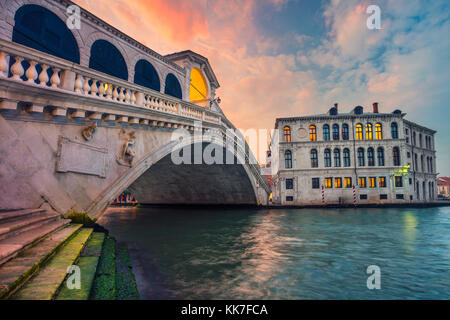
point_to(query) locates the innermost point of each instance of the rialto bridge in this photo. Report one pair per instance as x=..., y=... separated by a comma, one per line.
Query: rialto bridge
x=87, y=113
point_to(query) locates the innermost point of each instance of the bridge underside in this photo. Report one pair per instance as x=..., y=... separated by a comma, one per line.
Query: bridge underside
x=168, y=183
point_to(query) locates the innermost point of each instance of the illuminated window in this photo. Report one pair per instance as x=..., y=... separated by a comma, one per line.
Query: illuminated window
x=314, y=159
x=327, y=158
x=288, y=159
x=382, y=182
x=338, y=183
x=380, y=153
x=378, y=131
x=372, y=182
x=359, y=131
x=198, y=89
x=370, y=157
x=328, y=183
x=347, y=162
x=335, y=131
x=348, y=182
x=362, y=182
x=287, y=134
x=312, y=133
x=326, y=132
x=361, y=157
x=369, y=131
x=398, y=182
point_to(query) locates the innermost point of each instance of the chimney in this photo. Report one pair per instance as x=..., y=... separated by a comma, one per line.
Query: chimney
x=375, y=107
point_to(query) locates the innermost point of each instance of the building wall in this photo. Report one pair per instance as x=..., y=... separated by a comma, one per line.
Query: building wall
x=302, y=171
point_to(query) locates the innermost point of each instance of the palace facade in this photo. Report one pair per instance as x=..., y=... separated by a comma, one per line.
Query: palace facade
x=352, y=158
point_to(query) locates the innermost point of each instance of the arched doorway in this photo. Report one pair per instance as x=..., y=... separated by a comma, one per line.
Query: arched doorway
x=145, y=75
x=106, y=58
x=173, y=86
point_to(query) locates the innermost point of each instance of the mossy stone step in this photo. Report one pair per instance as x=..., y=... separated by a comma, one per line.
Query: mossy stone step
x=45, y=284
x=88, y=266
x=126, y=288
x=18, y=270
x=104, y=287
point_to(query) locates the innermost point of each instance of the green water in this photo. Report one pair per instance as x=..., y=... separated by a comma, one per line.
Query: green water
x=286, y=254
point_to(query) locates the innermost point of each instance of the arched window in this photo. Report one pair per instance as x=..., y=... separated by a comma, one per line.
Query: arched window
x=173, y=86
x=335, y=131
x=422, y=164
x=312, y=133
x=380, y=153
x=347, y=162
x=314, y=159
x=359, y=131
x=145, y=75
x=288, y=159
x=345, y=133
x=378, y=131
x=361, y=157
x=327, y=158
x=198, y=89
x=326, y=132
x=394, y=130
x=431, y=165
x=396, y=156
x=107, y=58
x=414, y=138
x=420, y=140
x=369, y=131
x=39, y=28
x=287, y=134
x=370, y=157
x=416, y=166
x=337, y=158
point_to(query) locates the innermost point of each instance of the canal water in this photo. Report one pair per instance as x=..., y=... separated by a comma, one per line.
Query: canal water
x=246, y=253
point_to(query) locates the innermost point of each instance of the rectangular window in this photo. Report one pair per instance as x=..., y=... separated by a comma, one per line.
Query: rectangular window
x=399, y=196
x=348, y=182
x=398, y=182
x=328, y=183
x=338, y=183
x=382, y=182
x=362, y=182
x=372, y=182
x=383, y=196
x=289, y=184
x=316, y=183
x=289, y=198
x=363, y=196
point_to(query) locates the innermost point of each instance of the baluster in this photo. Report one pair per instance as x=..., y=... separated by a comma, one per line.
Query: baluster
x=101, y=89
x=54, y=80
x=109, y=92
x=17, y=69
x=43, y=76
x=31, y=72
x=121, y=95
x=127, y=96
x=114, y=93
x=78, y=83
x=133, y=97
x=4, y=64
x=94, y=88
x=86, y=86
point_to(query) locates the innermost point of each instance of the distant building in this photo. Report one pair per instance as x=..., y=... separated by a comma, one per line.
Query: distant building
x=443, y=186
x=357, y=157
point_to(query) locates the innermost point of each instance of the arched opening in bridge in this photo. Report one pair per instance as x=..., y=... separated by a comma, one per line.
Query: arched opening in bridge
x=145, y=75
x=173, y=86
x=197, y=184
x=198, y=89
x=39, y=28
x=106, y=58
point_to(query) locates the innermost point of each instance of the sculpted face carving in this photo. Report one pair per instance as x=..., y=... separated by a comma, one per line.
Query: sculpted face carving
x=128, y=150
x=88, y=133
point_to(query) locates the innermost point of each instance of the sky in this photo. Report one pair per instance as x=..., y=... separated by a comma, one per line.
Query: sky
x=281, y=58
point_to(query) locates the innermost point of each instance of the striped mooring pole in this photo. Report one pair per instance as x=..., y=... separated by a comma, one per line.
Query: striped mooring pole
x=354, y=195
x=323, y=195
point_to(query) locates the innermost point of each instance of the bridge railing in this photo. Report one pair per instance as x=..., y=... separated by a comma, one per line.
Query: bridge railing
x=51, y=72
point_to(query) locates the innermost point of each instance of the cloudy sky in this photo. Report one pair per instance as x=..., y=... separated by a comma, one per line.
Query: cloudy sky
x=276, y=58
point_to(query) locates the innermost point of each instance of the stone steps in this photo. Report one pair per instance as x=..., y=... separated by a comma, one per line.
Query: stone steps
x=17, y=271
x=12, y=215
x=88, y=263
x=11, y=228
x=45, y=284
x=22, y=239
